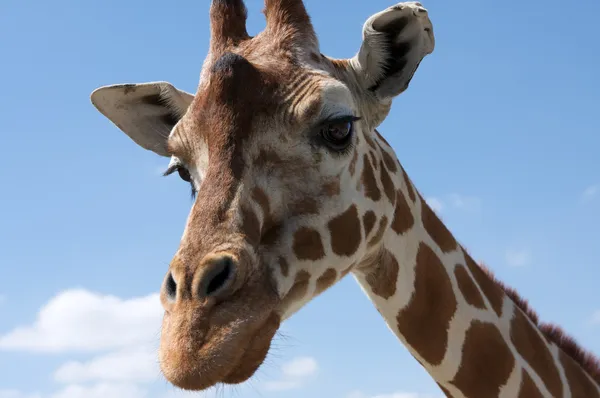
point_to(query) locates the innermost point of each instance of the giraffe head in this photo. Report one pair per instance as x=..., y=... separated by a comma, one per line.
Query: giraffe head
x=279, y=143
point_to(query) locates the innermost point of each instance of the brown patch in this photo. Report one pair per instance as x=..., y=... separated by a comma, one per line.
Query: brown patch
x=352, y=166
x=306, y=205
x=580, y=385
x=403, y=218
x=389, y=161
x=534, y=350
x=487, y=362
x=436, y=229
x=345, y=232
x=373, y=160
x=284, y=266
x=267, y=157
x=369, y=219
x=271, y=233
x=368, y=180
x=495, y=290
x=331, y=188
x=298, y=291
x=588, y=361
x=409, y=187
x=380, y=231
x=424, y=321
x=308, y=245
x=250, y=226
x=528, y=387
x=467, y=287
x=267, y=228
x=388, y=185
x=326, y=280
x=262, y=199
x=490, y=289
x=369, y=141
x=383, y=274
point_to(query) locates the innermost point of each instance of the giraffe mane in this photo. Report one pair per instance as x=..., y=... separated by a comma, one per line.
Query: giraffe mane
x=554, y=333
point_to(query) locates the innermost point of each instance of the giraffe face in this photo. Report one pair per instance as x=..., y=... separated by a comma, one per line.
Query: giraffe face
x=278, y=147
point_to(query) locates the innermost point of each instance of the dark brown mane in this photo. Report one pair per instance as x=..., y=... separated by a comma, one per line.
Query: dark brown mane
x=587, y=360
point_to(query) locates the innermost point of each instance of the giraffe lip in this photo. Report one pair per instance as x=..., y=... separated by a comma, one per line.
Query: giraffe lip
x=255, y=352
x=230, y=356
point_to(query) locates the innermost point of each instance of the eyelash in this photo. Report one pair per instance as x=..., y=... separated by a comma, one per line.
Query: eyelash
x=176, y=167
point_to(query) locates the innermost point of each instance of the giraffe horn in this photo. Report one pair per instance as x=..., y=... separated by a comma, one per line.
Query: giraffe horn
x=288, y=19
x=227, y=23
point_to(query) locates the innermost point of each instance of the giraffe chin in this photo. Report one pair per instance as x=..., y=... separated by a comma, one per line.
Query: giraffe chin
x=230, y=355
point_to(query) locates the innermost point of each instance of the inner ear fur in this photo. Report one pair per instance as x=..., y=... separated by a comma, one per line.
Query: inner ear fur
x=395, y=41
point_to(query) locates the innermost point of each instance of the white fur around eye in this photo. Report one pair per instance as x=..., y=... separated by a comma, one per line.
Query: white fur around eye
x=337, y=100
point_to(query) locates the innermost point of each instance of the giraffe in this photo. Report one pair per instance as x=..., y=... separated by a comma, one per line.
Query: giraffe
x=294, y=188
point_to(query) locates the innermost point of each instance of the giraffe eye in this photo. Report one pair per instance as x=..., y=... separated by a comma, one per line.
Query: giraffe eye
x=184, y=174
x=338, y=134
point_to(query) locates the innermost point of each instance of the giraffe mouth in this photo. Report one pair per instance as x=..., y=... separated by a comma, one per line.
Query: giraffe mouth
x=254, y=353
x=193, y=360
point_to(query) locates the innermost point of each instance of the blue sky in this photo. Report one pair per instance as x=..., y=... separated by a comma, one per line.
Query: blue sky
x=499, y=129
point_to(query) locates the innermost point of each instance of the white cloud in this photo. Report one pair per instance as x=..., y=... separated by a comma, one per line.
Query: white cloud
x=358, y=394
x=295, y=373
x=131, y=365
x=590, y=193
x=282, y=385
x=454, y=201
x=79, y=320
x=518, y=257
x=300, y=367
x=435, y=204
x=17, y=394
x=101, y=390
x=464, y=202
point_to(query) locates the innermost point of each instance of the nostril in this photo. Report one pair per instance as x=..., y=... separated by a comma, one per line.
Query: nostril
x=218, y=276
x=170, y=287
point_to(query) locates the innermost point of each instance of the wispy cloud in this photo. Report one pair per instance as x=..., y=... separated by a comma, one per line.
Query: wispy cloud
x=518, y=257
x=131, y=365
x=596, y=318
x=294, y=374
x=101, y=390
x=17, y=394
x=435, y=204
x=454, y=201
x=590, y=193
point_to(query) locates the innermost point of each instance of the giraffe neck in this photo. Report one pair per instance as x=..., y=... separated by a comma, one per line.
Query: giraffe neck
x=475, y=337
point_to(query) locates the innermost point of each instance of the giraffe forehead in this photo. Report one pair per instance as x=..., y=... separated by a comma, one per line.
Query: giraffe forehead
x=241, y=97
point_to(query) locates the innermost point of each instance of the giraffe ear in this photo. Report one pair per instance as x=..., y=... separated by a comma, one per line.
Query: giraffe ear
x=395, y=41
x=146, y=112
